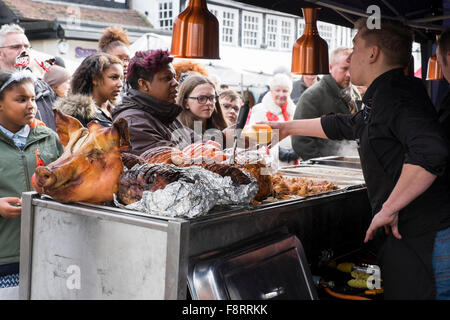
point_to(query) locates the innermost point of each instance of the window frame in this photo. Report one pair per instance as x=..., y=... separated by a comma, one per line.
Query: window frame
x=259, y=29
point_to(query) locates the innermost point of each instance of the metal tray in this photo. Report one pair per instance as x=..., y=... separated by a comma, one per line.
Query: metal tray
x=340, y=176
x=339, y=161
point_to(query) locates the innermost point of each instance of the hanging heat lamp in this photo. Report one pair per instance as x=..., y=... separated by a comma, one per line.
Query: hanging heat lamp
x=196, y=33
x=310, y=51
x=434, y=71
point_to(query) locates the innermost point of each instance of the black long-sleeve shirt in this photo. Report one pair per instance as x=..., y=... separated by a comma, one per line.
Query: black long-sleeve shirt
x=402, y=128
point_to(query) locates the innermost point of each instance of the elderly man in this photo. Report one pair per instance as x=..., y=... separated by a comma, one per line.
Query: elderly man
x=403, y=155
x=13, y=42
x=332, y=94
x=299, y=86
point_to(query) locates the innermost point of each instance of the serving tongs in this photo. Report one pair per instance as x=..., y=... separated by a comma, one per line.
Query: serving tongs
x=240, y=123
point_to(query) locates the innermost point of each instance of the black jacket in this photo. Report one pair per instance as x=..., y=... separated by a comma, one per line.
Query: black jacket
x=398, y=126
x=45, y=97
x=83, y=108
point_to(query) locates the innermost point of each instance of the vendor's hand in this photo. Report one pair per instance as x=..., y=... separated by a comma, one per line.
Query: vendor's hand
x=386, y=219
x=10, y=207
x=279, y=130
x=229, y=134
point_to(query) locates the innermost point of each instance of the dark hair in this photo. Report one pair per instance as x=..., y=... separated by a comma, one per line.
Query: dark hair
x=4, y=77
x=443, y=43
x=217, y=119
x=113, y=37
x=91, y=68
x=145, y=64
x=393, y=38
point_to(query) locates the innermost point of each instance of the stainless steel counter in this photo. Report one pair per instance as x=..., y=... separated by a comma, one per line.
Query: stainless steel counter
x=82, y=251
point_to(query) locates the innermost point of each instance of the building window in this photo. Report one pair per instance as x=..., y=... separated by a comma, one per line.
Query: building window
x=286, y=35
x=326, y=32
x=301, y=27
x=165, y=15
x=215, y=13
x=228, y=27
x=250, y=30
x=271, y=34
x=228, y=23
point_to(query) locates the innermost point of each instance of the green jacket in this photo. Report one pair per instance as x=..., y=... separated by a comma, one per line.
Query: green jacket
x=321, y=98
x=16, y=169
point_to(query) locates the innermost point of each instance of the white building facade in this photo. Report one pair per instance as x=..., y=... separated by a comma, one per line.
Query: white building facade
x=253, y=40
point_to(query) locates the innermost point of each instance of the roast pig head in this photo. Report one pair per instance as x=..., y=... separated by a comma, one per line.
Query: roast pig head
x=91, y=165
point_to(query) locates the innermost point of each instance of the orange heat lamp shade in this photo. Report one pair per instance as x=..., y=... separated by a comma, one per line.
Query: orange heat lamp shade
x=434, y=71
x=310, y=51
x=196, y=33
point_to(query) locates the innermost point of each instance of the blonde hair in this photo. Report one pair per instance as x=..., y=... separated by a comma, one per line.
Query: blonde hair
x=336, y=53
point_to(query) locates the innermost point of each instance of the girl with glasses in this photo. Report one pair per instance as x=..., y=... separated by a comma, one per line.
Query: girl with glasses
x=201, y=108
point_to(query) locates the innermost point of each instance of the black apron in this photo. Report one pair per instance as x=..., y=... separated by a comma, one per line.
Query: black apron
x=406, y=264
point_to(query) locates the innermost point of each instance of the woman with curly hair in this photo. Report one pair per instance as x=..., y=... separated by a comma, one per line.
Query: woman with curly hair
x=114, y=41
x=185, y=68
x=199, y=100
x=149, y=106
x=95, y=86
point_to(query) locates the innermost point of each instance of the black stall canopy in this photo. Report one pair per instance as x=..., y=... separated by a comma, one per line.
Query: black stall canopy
x=427, y=18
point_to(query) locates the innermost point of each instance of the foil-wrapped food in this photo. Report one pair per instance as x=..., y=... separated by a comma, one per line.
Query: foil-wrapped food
x=169, y=190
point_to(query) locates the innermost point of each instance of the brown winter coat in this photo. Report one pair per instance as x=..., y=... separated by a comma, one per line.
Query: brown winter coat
x=152, y=122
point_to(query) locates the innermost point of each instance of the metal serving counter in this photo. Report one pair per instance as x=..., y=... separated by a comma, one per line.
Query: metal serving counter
x=82, y=251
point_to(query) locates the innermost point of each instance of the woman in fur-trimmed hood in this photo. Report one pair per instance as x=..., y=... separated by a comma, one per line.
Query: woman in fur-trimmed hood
x=83, y=108
x=99, y=78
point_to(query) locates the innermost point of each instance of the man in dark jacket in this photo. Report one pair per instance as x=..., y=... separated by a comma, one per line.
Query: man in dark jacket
x=443, y=58
x=299, y=86
x=403, y=155
x=13, y=42
x=326, y=96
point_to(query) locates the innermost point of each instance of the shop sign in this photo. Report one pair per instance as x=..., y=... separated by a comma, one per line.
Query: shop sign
x=84, y=52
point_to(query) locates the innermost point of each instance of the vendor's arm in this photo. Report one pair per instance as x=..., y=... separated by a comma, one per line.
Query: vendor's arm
x=306, y=127
x=330, y=126
x=405, y=191
x=10, y=207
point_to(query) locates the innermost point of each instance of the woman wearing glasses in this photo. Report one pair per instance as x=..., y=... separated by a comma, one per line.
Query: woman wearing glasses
x=201, y=108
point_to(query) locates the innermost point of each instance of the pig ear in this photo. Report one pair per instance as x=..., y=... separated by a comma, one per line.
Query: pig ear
x=94, y=126
x=65, y=126
x=121, y=125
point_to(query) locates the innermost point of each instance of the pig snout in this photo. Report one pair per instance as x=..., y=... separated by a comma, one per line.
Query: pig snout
x=44, y=177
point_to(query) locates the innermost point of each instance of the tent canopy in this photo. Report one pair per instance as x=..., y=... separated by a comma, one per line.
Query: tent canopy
x=424, y=16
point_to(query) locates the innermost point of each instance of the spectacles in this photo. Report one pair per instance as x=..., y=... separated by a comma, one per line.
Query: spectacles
x=204, y=99
x=18, y=46
x=227, y=106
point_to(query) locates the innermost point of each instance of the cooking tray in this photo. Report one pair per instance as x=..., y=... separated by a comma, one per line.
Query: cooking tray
x=338, y=161
x=340, y=176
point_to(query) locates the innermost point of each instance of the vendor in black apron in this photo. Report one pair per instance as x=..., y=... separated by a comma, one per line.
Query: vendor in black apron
x=403, y=154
